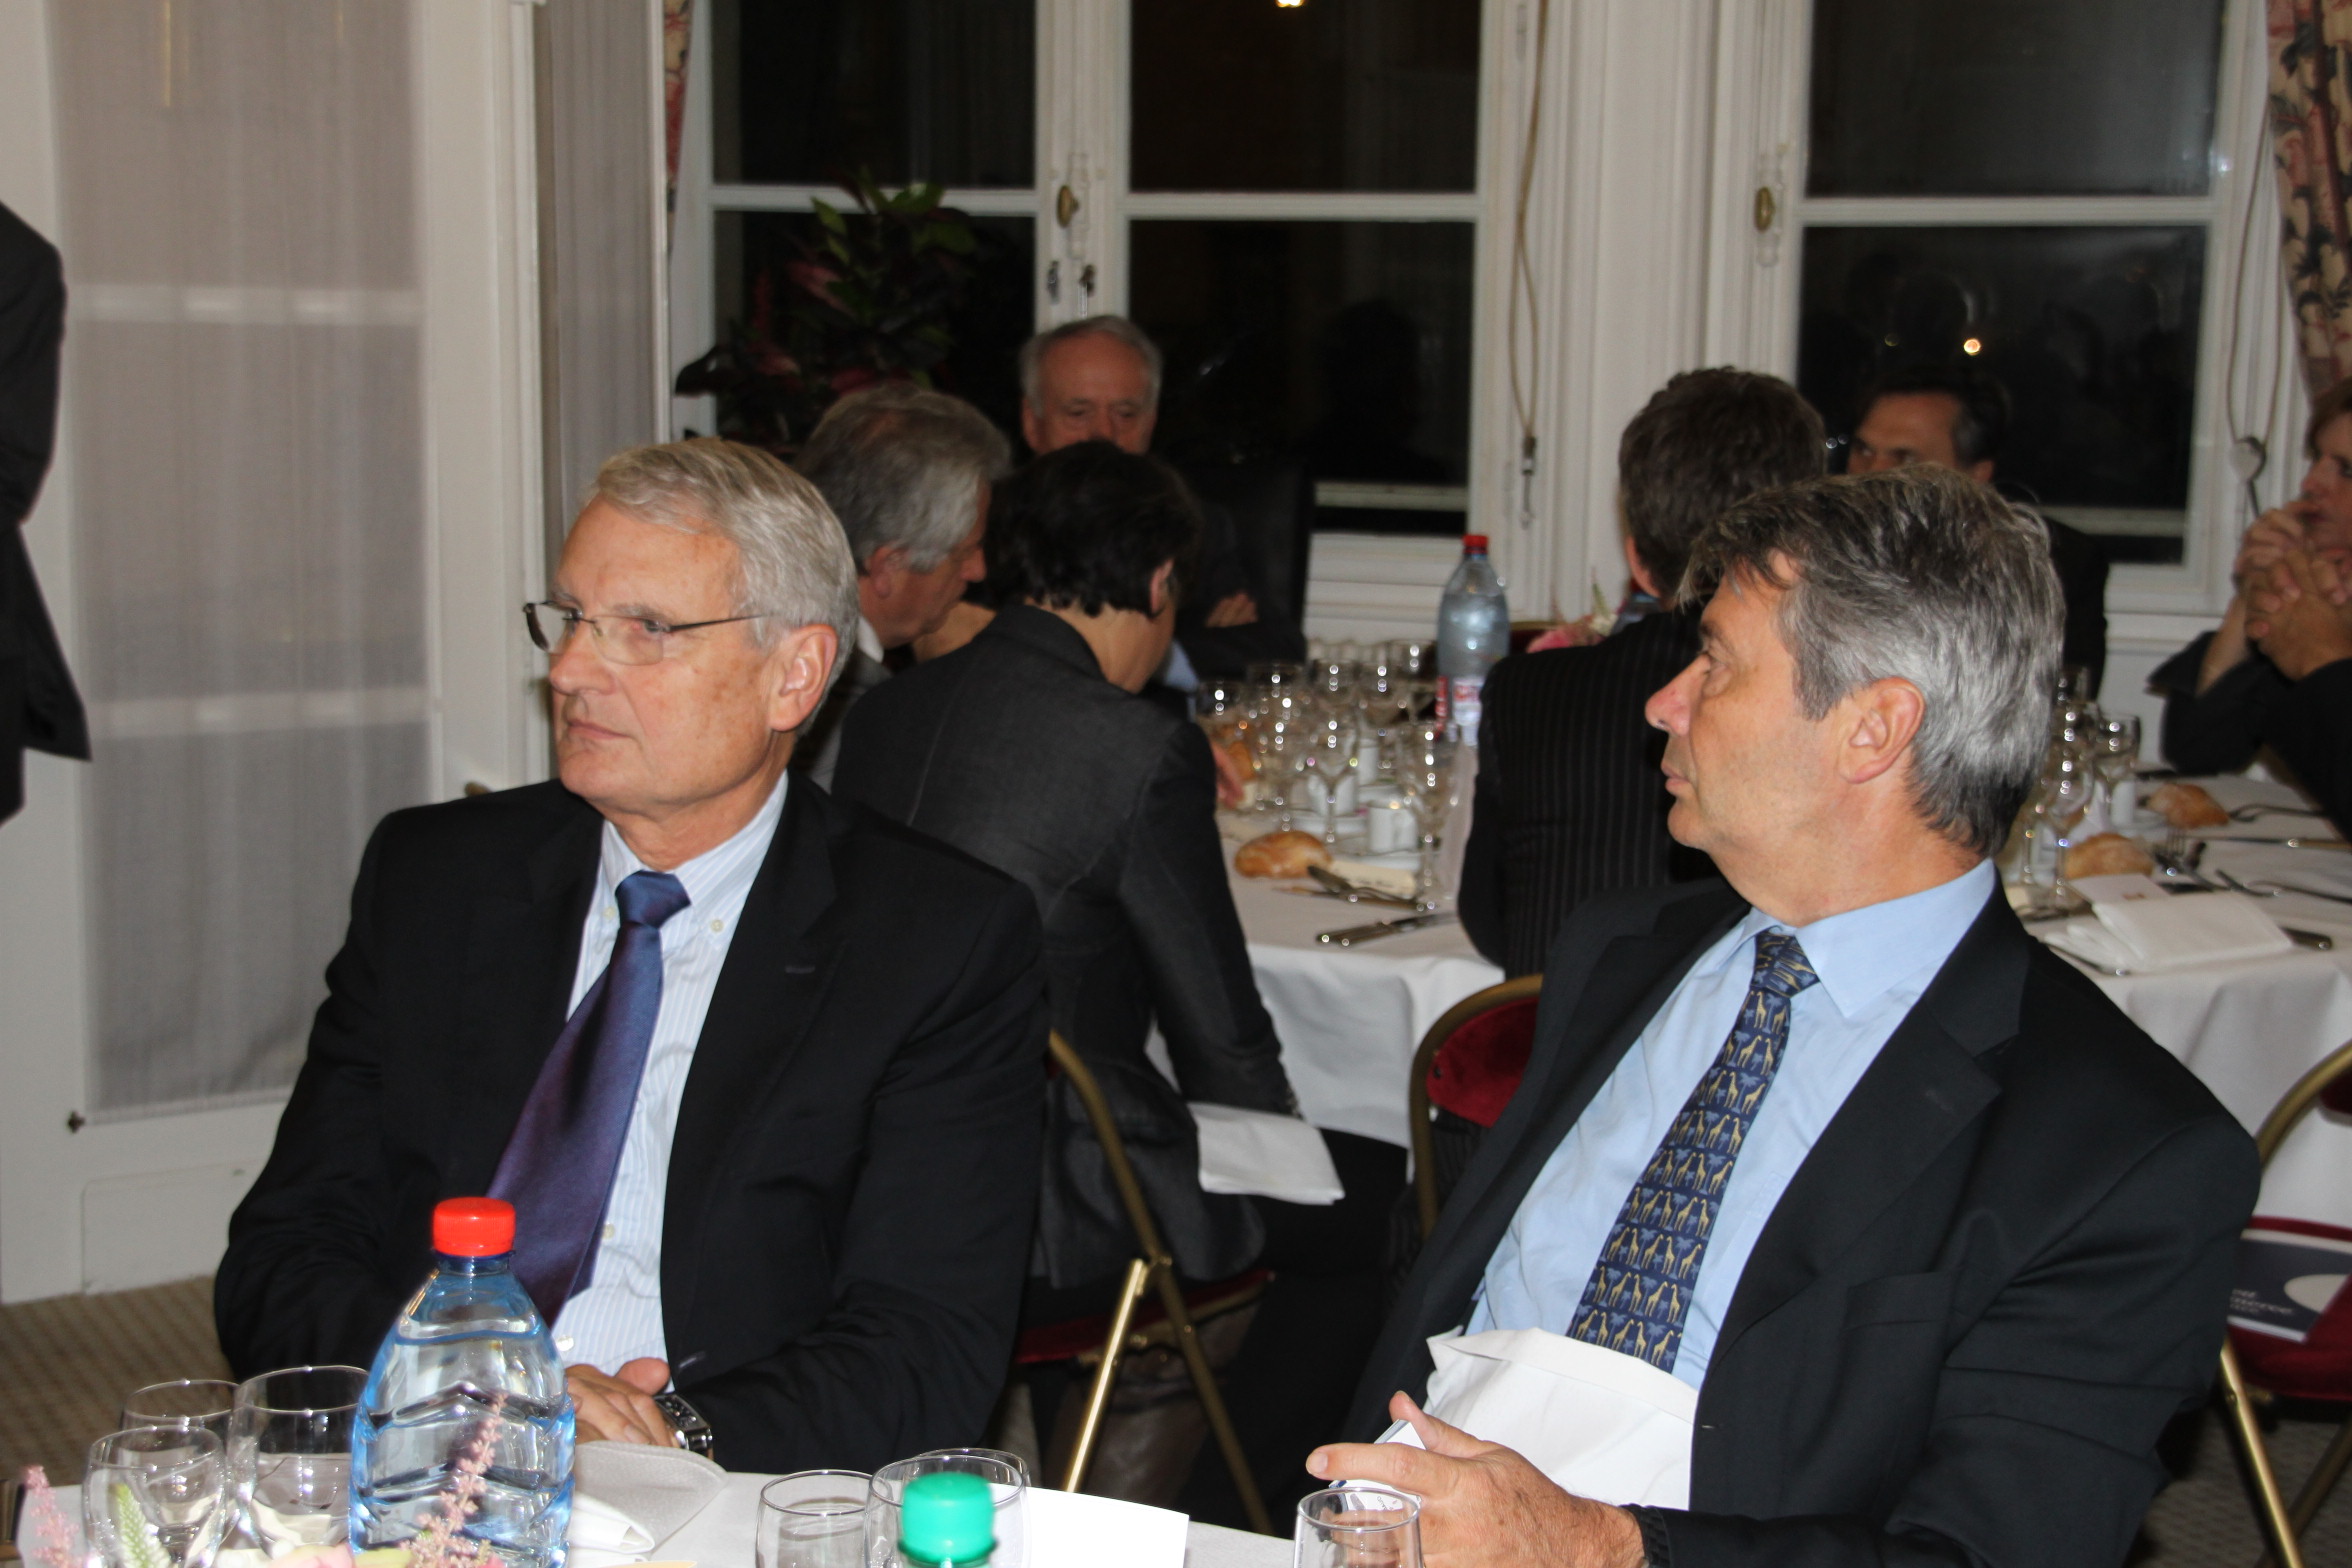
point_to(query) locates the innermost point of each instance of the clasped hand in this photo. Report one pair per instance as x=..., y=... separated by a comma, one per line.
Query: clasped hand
x=1483, y=1505
x=2296, y=611
x=620, y=1408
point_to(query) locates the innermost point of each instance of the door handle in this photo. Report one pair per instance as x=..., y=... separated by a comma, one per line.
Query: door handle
x=1065, y=206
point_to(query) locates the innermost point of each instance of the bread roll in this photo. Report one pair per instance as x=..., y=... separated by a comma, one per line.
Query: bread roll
x=1285, y=854
x=2185, y=805
x=2107, y=855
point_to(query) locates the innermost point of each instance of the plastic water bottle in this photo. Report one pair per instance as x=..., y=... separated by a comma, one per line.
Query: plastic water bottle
x=1473, y=631
x=464, y=1428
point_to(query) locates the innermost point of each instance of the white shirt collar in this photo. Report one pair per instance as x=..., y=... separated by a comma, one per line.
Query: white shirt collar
x=869, y=642
x=716, y=878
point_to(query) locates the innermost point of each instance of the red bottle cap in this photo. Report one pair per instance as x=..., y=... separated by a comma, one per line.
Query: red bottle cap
x=1474, y=543
x=473, y=1227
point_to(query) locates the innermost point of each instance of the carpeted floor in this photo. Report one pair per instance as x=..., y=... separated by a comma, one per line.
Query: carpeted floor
x=66, y=1363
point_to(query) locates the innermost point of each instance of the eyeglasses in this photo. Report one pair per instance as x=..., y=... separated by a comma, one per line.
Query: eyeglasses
x=624, y=639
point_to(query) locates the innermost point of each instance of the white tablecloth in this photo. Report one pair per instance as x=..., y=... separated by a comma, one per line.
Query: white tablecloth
x=1350, y=1018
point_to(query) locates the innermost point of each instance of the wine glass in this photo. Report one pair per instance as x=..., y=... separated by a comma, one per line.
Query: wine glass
x=2052, y=814
x=2117, y=755
x=1008, y=1484
x=1358, y=1527
x=290, y=1451
x=1425, y=771
x=813, y=1519
x=1329, y=760
x=204, y=1403
x=155, y=1497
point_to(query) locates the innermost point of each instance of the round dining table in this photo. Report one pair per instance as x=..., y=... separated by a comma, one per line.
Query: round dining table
x=1351, y=1018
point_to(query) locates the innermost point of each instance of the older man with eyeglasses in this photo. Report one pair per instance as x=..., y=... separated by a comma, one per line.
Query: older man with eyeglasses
x=759, y=1073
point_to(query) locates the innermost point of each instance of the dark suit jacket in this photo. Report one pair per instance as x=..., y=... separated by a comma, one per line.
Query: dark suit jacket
x=2253, y=705
x=816, y=750
x=1225, y=569
x=39, y=708
x=1015, y=750
x=1999, y=1273
x=2082, y=581
x=855, y=1168
x=1569, y=800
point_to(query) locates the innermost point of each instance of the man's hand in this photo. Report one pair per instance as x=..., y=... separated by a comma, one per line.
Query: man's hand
x=1235, y=609
x=621, y=1409
x=2295, y=614
x=1482, y=1506
x=2272, y=535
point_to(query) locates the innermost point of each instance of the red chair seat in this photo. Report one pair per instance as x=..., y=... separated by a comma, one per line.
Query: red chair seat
x=2319, y=1368
x=1479, y=1066
x=1071, y=1337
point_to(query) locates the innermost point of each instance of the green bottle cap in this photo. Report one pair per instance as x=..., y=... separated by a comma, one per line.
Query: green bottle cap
x=948, y=1516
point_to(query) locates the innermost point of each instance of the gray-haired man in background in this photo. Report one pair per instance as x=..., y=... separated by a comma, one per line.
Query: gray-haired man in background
x=1938, y=1236
x=909, y=472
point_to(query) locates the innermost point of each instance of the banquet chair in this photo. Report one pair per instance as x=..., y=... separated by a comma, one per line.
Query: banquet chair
x=1469, y=1064
x=2319, y=1368
x=1133, y=1324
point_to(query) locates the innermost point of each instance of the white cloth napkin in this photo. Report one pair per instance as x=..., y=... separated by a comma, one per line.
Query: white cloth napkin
x=1397, y=880
x=2143, y=936
x=628, y=1498
x=1601, y=1424
x=1265, y=1156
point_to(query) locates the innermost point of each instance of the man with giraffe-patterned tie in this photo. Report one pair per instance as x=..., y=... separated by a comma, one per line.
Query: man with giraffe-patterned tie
x=1940, y=1239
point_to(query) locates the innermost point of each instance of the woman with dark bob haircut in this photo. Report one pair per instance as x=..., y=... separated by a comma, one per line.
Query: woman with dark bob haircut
x=1029, y=749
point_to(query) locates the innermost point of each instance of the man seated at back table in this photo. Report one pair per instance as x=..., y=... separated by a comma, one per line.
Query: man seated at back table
x=760, y=1074
x=1940, y=1238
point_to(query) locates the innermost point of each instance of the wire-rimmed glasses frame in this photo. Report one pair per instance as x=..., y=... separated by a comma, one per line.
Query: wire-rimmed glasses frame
x=631, y=639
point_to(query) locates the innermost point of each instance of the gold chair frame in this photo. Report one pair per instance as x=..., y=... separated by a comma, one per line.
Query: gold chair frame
x=1156, y=1270
x=1417, y=1091
x=2284, y=1525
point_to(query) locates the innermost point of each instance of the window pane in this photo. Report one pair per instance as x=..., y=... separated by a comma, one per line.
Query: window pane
x=809, y=91
x=1345, y=343
x=2013, y=97
x=2093, y=331
x=1245, y=95
x=987, y=325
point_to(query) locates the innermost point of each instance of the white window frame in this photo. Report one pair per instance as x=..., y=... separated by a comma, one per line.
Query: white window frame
x=1361, y=585
x=2247, y=378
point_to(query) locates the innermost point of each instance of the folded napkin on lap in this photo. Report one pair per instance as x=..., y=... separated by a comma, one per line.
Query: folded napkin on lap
x=1265, y=1156
x=2142, y=936
x=628, y=1498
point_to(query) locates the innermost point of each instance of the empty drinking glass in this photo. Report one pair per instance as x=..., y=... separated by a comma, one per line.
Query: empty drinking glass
x=2118, y=755
x=1358, y=1527
x=1425, y=771
x=290, y=1451
x=1329, y=763
x=155, y=1497
x=205, y=1403
x=813, y=1519
x=1008, y=1483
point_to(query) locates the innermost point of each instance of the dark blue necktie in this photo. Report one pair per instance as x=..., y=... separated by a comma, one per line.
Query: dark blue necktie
x=1640, y=1292
x=558, y=1167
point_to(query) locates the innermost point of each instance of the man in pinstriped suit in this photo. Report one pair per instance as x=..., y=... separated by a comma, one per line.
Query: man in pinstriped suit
x=1569, y=798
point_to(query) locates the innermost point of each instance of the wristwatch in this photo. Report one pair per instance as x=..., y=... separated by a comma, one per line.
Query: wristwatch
x=694, y=1433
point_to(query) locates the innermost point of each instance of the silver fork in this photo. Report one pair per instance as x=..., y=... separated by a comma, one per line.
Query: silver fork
x=2178, y=855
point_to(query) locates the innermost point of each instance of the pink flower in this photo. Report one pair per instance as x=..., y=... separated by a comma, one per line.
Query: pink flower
x=46, y=1539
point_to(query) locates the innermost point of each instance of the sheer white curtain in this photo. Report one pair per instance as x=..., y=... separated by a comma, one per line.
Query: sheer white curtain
x=245, y=423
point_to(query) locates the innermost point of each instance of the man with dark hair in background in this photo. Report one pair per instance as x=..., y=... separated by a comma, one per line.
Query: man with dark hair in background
x=1956, y=417
x=1569, y=801
x=39, y=709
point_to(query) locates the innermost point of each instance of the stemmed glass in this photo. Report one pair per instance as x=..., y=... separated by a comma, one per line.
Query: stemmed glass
x=204, y=1404
x=2117, y=754
x=2058, y=803
x=1358, y=1527
x=1329, y=760
x=155, y=1497
x=290, y=1451
x=1425, y=770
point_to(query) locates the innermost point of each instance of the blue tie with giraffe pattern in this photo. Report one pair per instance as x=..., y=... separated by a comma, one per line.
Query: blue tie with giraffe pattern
x=1640, y=1292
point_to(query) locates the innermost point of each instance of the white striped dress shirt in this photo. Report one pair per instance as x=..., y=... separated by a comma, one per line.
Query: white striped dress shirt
x=618, y=1317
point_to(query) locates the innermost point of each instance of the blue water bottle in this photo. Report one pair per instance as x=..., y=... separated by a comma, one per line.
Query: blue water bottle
x=464, y=1428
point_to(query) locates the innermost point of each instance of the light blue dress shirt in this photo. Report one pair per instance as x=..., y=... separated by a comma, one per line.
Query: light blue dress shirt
x=1873, y=962
x=618, y=1317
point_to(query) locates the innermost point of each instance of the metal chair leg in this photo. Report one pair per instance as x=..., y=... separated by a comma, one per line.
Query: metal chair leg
x=1204, y=1384
x=2256, y=1454
x=1098, y=1398
x=2323, y=1479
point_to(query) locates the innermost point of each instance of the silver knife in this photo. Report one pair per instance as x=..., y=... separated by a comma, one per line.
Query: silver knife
x=1336, y=886
x=2275, y=843
x=1356, y=936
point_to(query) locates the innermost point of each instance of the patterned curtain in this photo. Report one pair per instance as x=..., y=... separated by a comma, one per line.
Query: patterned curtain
x=2311, y=129
x=677, y=32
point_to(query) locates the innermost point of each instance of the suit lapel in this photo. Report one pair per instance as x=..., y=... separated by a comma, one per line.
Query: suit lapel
x=1580, y=1039
x=522, y=951
x=1924, y=1088
x=779, y=965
